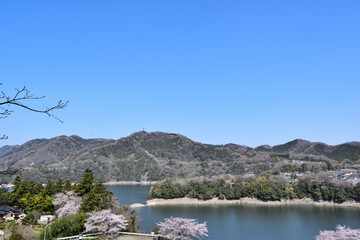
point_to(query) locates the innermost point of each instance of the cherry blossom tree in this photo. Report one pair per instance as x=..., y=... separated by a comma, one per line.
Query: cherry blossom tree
x=341, y=233
x=106, y=222
x=176, y=228
x=67, y=203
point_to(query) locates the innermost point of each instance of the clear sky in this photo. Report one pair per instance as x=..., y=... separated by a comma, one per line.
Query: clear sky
x=246, y=72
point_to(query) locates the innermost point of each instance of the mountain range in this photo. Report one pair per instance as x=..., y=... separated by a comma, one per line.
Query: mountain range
x=153, y=156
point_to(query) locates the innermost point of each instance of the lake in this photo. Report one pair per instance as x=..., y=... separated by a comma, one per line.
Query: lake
x=243, y=222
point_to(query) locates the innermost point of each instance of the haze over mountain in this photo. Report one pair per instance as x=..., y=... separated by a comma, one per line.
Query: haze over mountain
x=152, y=156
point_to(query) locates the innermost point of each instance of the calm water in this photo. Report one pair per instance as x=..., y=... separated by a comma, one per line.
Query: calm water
x=244, y=222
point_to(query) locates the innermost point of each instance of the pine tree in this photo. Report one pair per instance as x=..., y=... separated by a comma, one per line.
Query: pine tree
x=17, y=183
x=91, y=202
x=86, y=184
x=67, y=186
x=49, y=188
x=59, y=185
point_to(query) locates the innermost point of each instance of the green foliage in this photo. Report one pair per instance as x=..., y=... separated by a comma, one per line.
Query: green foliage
x=345, y=151
x=68, y=226
x=86, y=184
x=167, y=190
x=2, y=225
x=11, y=226
x=97, y=199
x=50, y=188
x=17, y=183
x=293, y=168
x=95, y=195
x=59, y=185
x=67, y=186
x=36, y=199
x=264, y=188
x=32, y=196
x=4, y=196
x=29, y=219
x=16, y=236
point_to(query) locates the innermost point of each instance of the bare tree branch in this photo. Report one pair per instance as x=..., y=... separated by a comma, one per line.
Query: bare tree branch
x=19, y=98
x=4, y=137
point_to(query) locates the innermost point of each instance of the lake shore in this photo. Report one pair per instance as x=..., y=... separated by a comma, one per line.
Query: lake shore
x=143, y=183
x=248, y=201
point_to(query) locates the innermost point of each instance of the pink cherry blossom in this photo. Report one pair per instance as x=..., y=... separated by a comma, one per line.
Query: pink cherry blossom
x=106, y=222
x=176, y=228
x=67, y=203
x=341, y=233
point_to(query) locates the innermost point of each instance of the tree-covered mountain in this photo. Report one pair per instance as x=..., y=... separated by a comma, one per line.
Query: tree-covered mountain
x=154, y=156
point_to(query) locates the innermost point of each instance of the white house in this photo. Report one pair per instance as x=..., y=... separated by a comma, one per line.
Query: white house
x=46, y=218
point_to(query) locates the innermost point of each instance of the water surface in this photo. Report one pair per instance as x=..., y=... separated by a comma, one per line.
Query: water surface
x=244, y=222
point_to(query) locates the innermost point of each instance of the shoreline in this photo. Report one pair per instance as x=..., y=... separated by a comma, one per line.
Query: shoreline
x=246, y=201
x=143, y=183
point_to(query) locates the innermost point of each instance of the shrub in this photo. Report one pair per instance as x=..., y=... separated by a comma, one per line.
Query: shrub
x=16, y=236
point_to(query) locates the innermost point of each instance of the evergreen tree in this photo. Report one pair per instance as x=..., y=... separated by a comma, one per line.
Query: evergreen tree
x=99, y=198
x=67, y=186
x=59, y=185
x=4, y=196
x=49, y=188
x=39, y=188
x=91, y=202
x=17, y=183
x=86, y=184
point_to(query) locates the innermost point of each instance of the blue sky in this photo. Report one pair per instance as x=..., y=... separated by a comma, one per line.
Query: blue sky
x=246, y=72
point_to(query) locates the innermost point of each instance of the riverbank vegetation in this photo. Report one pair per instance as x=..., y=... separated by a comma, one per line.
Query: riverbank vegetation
x=265, y=188
x=73, y=204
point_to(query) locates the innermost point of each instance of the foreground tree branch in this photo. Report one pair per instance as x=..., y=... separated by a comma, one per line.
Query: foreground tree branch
x=18, y=99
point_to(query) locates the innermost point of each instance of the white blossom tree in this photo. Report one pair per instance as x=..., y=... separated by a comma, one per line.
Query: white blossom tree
x=176, y=228
x=106, y=222
x=341, y=233
x=67, y=203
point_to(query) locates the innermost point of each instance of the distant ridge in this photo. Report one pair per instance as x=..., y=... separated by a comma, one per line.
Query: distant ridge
x=144, y=156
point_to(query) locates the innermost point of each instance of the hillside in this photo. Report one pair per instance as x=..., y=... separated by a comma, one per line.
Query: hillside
x=154, y=156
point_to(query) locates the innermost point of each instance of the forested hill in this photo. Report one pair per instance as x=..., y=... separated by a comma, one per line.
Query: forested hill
x=153, y=156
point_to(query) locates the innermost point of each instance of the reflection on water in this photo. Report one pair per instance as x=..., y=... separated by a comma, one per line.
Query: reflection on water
x=128, y=194
x=246, y=221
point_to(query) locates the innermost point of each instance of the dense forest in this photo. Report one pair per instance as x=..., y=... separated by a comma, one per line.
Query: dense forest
x=266, y=188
